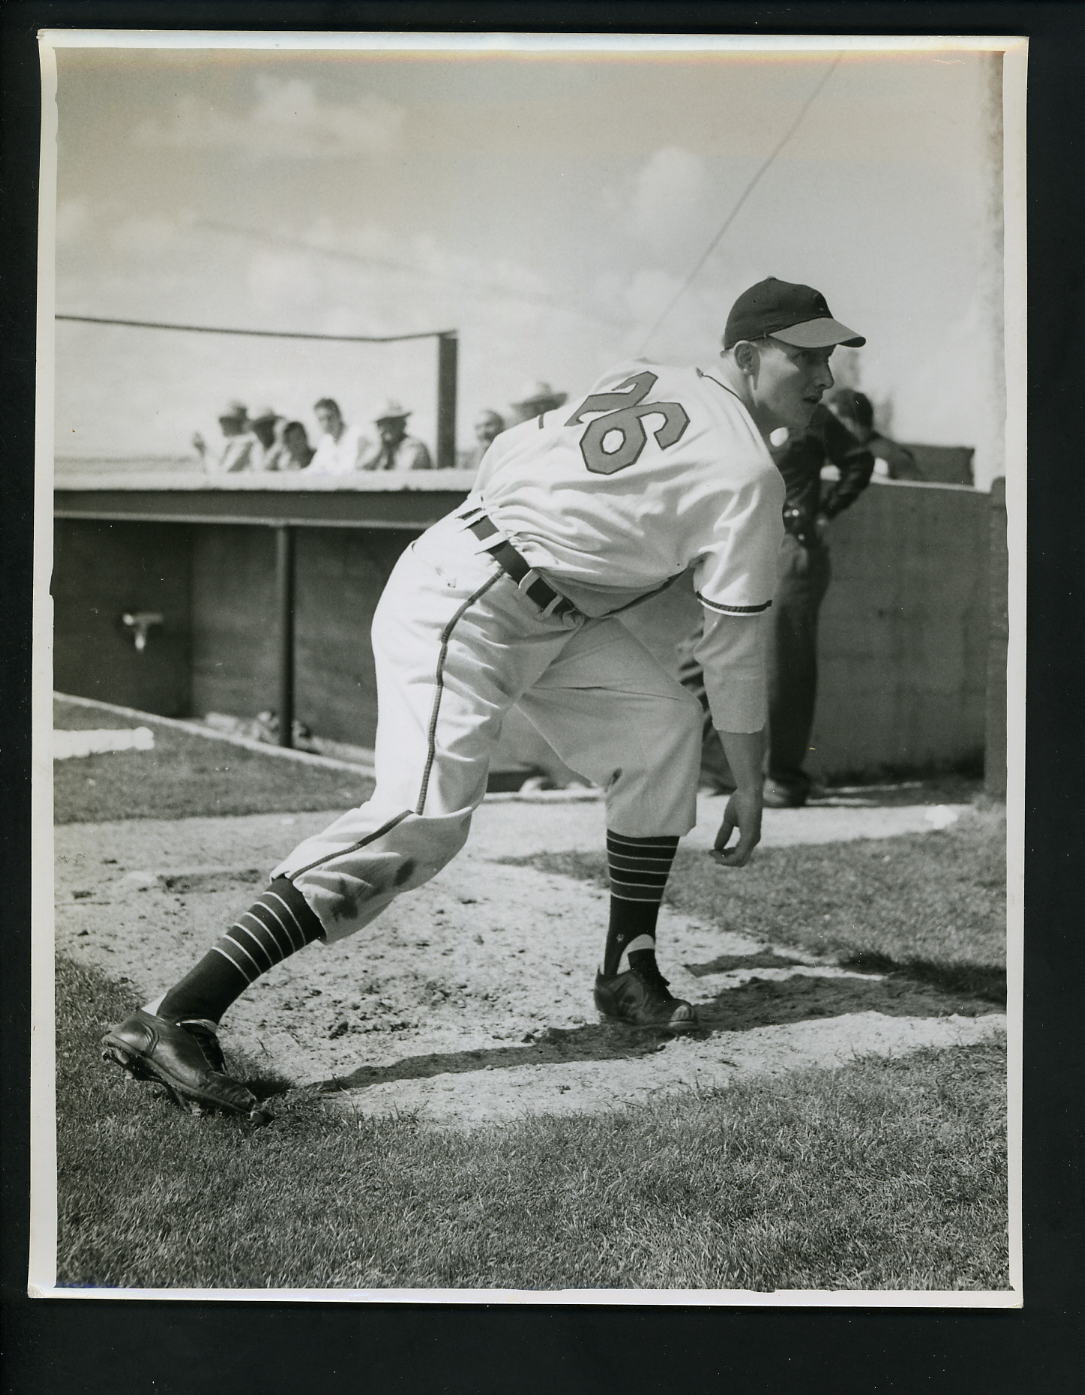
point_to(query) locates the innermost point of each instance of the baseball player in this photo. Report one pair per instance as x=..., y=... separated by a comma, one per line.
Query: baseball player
x=512, y=599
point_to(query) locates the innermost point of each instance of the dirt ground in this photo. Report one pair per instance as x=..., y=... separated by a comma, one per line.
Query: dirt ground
x=469, y=1001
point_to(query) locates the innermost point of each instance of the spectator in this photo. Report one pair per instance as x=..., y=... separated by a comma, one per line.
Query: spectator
x=266, y=452
x=340, y=447
x=891, y=460
x=295, y=452
x=396, y=449
x=238, y=443
x=535, y=399
x=488, y=424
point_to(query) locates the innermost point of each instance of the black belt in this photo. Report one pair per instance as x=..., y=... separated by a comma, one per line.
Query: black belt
x=510, y=562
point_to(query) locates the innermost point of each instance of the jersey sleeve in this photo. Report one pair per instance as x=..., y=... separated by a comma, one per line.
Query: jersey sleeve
x=732, y=653
x=735, y=574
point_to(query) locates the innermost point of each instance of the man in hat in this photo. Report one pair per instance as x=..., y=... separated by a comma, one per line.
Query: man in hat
x=395, y=449
x=513, y=598
x=238, y=442
x=268, y=451
x=535, y=399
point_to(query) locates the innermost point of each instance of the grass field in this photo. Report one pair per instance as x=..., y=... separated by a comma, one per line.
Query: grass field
x=928, y=906
x=187, y=775
x=887, y=1175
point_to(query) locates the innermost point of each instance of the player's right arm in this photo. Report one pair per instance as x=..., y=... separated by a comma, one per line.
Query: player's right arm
x=731, y=651
x=734, y=580
x=745, y=752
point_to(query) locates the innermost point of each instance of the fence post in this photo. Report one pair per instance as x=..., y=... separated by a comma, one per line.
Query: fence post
x=284, y=586
x=447, y=355
x=998, y=573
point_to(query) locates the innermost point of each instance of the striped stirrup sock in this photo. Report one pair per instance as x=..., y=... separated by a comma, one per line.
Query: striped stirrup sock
x=276, y=925
x=639, y=868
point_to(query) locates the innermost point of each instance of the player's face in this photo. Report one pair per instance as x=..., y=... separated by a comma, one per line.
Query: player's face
x=789, y=382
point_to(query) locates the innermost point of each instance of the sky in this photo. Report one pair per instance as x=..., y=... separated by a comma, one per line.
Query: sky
x=549, y=207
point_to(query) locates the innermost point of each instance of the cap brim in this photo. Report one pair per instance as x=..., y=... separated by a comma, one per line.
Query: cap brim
x=819, y=334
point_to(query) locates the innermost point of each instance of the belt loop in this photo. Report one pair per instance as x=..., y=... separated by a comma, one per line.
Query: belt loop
x=528, y=580
x=554, y=606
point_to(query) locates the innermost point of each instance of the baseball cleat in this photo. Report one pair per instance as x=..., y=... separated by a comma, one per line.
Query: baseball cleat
x=207, y=1037
x=639, y=998
x=180, y=1059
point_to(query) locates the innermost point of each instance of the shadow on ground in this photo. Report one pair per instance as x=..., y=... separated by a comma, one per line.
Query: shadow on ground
x=735, y=1008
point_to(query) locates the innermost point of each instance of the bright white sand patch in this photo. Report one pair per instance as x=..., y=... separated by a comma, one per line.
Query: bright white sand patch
x=69, y=744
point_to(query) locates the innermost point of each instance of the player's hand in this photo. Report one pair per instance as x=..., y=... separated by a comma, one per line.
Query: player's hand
x=743, y=813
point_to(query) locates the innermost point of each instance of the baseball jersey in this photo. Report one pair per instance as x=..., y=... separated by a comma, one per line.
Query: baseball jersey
x=656, y=471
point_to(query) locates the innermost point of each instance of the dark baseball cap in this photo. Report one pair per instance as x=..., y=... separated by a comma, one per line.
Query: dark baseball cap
x=795, y=314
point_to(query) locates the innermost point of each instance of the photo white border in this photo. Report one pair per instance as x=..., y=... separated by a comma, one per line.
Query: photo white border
x=43, y=1200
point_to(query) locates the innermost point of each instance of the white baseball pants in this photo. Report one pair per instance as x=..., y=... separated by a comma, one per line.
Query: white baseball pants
x=456, y=644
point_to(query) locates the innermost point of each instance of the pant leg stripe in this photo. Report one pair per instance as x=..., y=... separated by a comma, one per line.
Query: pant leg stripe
x=431, y=742
x=342, y=852
x=446, y=635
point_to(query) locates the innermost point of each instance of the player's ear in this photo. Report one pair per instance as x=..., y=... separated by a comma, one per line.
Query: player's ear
x=745, y=353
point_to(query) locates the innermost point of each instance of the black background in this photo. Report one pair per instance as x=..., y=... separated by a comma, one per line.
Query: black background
x=67, y=1346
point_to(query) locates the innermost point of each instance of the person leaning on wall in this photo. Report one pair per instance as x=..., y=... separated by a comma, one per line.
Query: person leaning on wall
x=238, y=442
x=891, y=460
x=804, y=576
x=340, y=446
x=395, y=448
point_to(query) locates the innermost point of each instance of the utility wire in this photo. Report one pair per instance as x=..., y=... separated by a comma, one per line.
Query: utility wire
x=263, y=333
x=406, y=269
x=747, y=191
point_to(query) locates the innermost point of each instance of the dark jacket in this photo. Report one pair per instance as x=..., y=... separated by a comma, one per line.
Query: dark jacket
x=800, y=461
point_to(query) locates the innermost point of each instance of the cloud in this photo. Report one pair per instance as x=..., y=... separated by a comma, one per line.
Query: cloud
x=668, y=196
x=287, y=119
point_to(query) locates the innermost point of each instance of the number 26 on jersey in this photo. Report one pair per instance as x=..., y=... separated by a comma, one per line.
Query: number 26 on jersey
x=614, y=441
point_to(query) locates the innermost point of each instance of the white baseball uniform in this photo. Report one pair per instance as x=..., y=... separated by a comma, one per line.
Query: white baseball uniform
x=592, y=507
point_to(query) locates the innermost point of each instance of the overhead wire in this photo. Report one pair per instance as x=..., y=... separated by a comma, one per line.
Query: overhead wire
x=262, y=333
x=406, y=269
x=759, y=173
